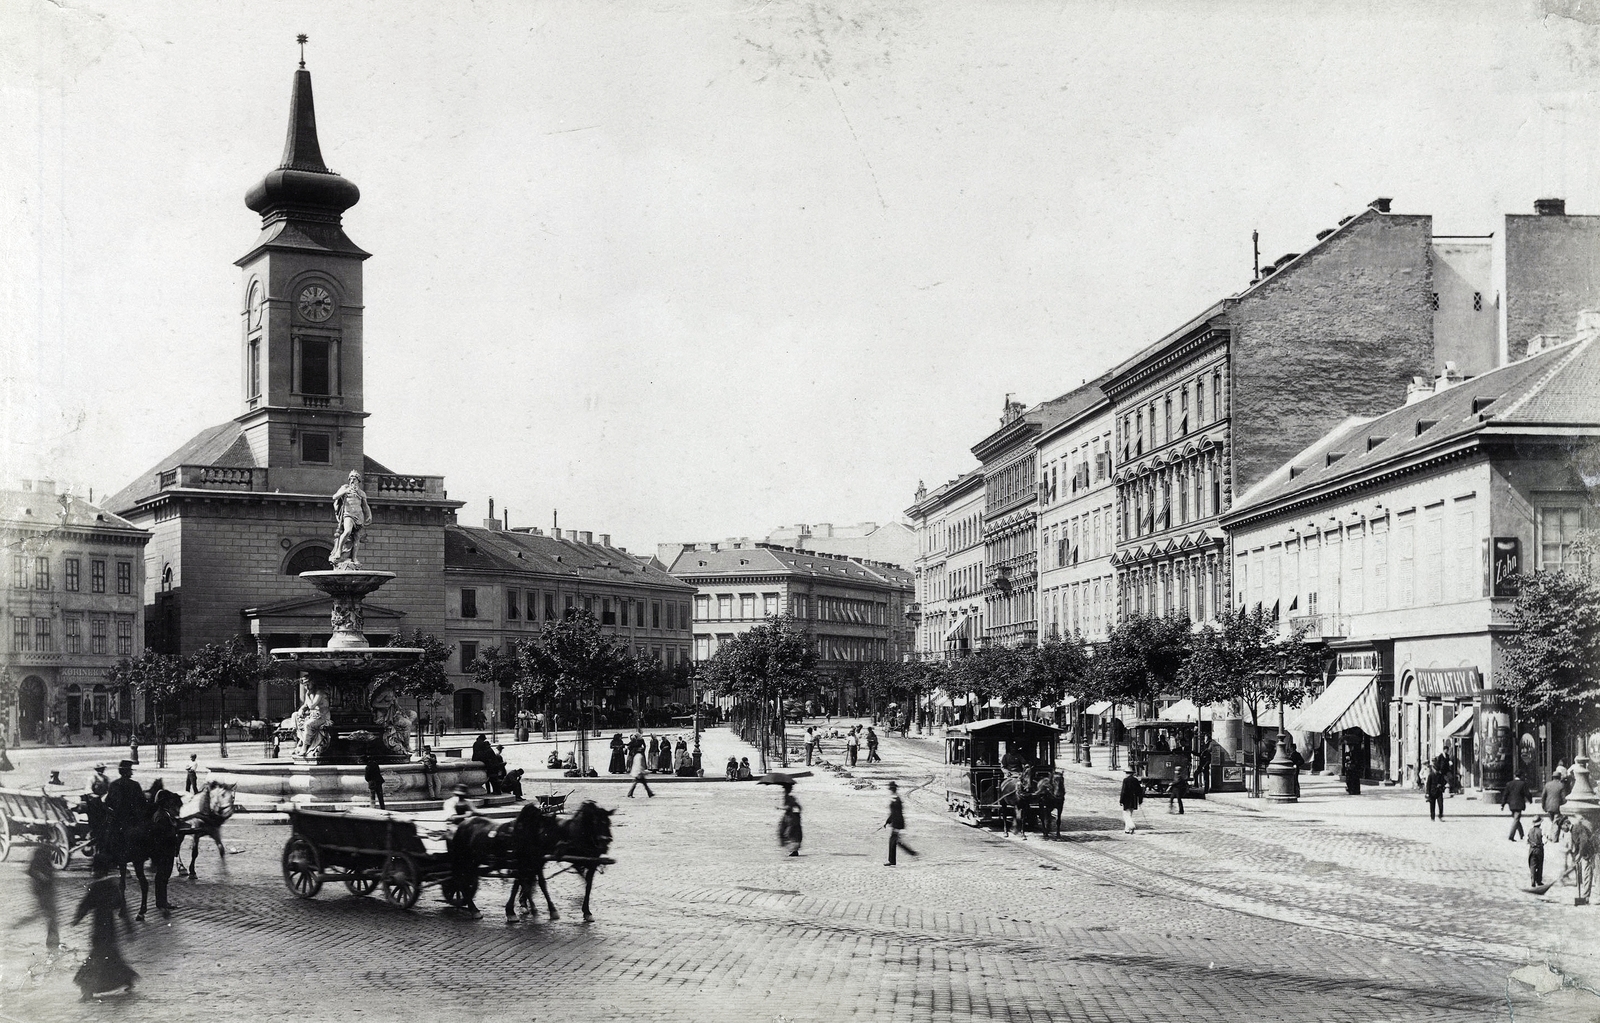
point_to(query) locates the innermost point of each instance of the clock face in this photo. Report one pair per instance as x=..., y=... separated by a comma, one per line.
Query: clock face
x=315, y=303
x=253, y=310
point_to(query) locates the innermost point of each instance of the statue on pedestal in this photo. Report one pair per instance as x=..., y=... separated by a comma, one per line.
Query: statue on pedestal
x=352, y=513
x=311, y=720
x=395, y=722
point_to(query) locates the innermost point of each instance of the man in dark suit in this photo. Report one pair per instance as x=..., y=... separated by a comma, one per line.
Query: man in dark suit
x=1132, y=795
x=128, y=809
x=896, y=823
x=1515, y=798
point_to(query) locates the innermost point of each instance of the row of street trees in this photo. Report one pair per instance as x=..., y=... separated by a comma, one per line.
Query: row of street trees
x=165, y=680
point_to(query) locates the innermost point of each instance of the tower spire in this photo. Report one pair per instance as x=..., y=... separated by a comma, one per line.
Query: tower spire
x=301, y=39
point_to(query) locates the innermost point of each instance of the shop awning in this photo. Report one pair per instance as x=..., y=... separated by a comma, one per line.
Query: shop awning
x=1460, y=724
x=955, y=626
x=1098, y=708
x=1448, y=683
x=1350, y=702
x=1183, y=710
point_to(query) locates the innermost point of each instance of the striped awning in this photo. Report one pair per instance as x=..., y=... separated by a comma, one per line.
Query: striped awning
x=1460, y=724
x=1350, y=702
x=955, y=626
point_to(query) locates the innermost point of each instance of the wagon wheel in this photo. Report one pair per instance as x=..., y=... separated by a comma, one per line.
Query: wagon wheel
x=5, y=836
x=60, y=846
x=360, y=885
x=302, y=871
x=401, y=885
x=456, y=893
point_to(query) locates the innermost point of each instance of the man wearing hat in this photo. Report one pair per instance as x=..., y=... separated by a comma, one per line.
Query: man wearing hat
x=458, y=807
x=99, y=784
x=126, y=803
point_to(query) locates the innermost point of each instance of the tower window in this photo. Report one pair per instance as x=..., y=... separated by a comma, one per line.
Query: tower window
x=255, y=368
x=1477, y=301
x=316, y=365
x=1436, y=301
x=315, y=448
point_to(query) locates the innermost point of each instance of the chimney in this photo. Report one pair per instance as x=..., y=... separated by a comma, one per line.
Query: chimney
x=605, y=539
x=584, y=536
x=1447, y=378
x=1418, y=389
x=1550, y=207
x=1381, y=205
x=491, y=522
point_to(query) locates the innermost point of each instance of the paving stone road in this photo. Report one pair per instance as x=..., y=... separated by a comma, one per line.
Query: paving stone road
x=1224, y=913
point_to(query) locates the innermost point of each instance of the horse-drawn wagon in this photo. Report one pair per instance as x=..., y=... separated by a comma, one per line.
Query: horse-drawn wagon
x=402, y=854
x=38, y=818
x=994, y=769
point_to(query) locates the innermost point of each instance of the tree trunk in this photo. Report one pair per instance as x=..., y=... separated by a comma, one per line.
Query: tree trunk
x=1255, y=769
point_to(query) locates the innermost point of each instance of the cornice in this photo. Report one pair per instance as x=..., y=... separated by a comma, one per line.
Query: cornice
x=1117, y=388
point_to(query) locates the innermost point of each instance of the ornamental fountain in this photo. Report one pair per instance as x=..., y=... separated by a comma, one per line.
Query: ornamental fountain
x=347, y=717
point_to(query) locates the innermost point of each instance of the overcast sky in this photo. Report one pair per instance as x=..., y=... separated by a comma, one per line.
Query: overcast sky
x=693, y=270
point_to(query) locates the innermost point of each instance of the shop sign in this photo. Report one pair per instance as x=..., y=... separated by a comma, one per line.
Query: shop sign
x=1447, y=683
x=1360, y=661
x=1232, y=775
x=1505, y=562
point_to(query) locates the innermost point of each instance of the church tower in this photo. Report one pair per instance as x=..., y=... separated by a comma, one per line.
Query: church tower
x=301, y=316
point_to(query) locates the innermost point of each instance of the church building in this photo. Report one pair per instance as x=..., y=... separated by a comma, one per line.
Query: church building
x=238, y=511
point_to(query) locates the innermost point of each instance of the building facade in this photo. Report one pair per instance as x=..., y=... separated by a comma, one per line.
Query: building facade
x=948, y=569
x=853, y=611
x=73, y=604
x=502, y=585
x=894, y=543
x=1077, y=583
x=1396, y=541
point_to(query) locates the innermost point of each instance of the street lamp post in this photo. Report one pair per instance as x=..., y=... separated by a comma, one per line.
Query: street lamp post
x=1282, y=775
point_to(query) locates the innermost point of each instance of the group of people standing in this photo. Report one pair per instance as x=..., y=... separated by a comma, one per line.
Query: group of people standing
x=856, y=737
x=660, y=755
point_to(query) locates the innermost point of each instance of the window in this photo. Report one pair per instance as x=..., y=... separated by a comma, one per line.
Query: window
x=72, y=575
x=511, y=604
x=19, y=634
x=1166, y=420
x=607, y=615
x=255, y=368
x=672, y=615
x=702, y=648
x=769, y=604
x=1467, y=571
x=316, y=365
x=549, y=607
x=747, y=605
x=316, y=448
x=1378, y=566
x=1199, y=402
x=97, y=634
x=469, y=603
x=42, y=640
x=702, y=608
x=124, y=577
x=655, y=614
x=1405, y=558
x=97, y=576
x=1431, y=557
x=530, y=605
x=124, y=636
x=724, y=606
x=469, y=653
x=1216, y=395
x=19, y=572
x=1355, y=576
x=72, y=635
x=41, y=573
x=623, y=604
x=1477, y=301
x=1558, y=526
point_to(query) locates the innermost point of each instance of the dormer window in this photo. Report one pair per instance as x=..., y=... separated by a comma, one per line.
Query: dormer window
x=1424, y=425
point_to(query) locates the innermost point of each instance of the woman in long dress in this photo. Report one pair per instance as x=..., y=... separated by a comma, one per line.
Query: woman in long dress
x=105, y=969
x=655, y=751
x=619, y=763
x=680, y=759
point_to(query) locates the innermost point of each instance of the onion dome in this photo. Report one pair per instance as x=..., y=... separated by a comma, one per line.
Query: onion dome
x=302, y=187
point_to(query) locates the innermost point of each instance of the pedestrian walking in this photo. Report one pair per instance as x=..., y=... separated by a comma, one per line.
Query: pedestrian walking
x=641, y=770
x=1536, y=853
x=872, y=748
x=790, y=832
x=896, y=823
x=852, y=745
x=42, y=884
x=1514, y=797
x=811, y=743
x=191, y=775
x=1552, y=796
x=430, y=772
x=375, y=782
x=1180, y=786
x=1437, y=783
x=1130, y=798
x=104, y=970
x=1583, y=849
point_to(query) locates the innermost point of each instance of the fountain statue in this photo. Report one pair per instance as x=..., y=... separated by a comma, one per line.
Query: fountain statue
x=347, y=717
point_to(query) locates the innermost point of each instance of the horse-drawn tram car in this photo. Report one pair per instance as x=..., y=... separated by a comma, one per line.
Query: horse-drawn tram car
x=989, y=763
x=402, y=854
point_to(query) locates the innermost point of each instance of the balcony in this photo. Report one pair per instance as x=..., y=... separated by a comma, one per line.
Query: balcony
x=1319, y=627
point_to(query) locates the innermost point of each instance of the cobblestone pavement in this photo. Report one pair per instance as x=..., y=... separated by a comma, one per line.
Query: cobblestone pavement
x=1223, y=914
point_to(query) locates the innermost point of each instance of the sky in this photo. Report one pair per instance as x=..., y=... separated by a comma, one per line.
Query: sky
x=687, y=271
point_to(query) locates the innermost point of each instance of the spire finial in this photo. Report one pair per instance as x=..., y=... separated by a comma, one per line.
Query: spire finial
x=301, y=39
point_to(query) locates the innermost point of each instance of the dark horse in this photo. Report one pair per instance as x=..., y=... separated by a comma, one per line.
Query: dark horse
x=152, y=837
x=1030, y=795
x=536, y=838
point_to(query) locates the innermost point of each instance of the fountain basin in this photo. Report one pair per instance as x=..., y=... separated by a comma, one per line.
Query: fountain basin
x=269, y=784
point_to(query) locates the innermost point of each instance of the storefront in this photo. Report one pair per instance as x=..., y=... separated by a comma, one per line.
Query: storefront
x=1345, y=724
x=1436, y=713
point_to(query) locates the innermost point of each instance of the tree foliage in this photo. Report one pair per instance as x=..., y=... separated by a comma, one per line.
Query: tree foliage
x=160, y=678
x=426, y=679
x=231, y=665
x=572, y=660
x=1552, y=653
x=1141, y=658
x=772, y=660
x=1242, y=659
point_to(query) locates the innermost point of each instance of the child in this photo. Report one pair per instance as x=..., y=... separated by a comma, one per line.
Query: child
x=1536, y=853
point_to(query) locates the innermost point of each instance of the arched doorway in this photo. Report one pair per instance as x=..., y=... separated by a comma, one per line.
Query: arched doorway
x=30, y=708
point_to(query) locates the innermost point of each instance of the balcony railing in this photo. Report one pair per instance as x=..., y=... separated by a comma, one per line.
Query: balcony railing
x=1329, y=626
x=254, y=479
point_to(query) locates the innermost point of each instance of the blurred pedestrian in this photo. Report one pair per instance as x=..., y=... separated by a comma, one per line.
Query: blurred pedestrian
x=896, y=823
x=1536, y=853
x=641, y=771
x=5, y=761
x=42, y=884
x=1583, y=849
x=98, y=784
x=1180, y=785
x=1437, y=782
x=790, y=832
x=872, y=748
x=1131, y=796
x=1514, y=797
x=1552, y=796
x=375, y=782
x=852, y=745
x=104, y=970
